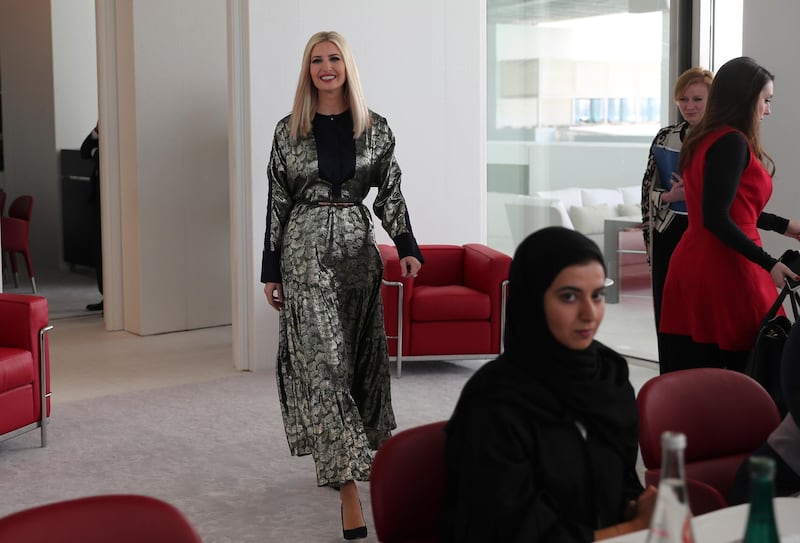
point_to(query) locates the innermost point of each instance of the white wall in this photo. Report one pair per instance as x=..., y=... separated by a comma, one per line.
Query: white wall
x=174, y=165
x=421, y=63
x=74, y=71
x=26, y=72
x=770, y=36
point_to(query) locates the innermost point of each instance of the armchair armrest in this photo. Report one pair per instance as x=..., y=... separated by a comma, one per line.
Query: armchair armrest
x=391, y=274
x=24, y=325
x=391, y=262
x=485, y=268
x=391, y=267
x=21, y=318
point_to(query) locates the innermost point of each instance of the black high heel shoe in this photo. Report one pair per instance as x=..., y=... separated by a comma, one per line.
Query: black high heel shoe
x=354, y=533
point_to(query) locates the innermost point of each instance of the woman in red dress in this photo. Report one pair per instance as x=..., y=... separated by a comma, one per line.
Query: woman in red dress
x=721, y=282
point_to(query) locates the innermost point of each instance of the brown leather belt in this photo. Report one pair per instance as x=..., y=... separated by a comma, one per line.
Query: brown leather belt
x=336, y=204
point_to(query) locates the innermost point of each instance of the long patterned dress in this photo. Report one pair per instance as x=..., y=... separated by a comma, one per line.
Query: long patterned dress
x=332, y=363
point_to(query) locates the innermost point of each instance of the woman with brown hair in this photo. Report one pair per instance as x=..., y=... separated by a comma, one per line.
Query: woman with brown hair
x=721, y=282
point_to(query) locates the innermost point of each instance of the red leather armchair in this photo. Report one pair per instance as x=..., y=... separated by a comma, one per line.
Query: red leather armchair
x=24, y=365
x=408, y=485
x=453, y=310
x=725, y=415
x=124, y=518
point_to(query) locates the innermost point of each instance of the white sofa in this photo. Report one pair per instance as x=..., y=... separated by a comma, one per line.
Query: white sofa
x=581, y=209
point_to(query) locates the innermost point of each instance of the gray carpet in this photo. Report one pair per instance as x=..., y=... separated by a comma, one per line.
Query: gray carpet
x=216, y=450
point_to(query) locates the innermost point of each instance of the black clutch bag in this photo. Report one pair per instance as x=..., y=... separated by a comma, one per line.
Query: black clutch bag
x=764, y=363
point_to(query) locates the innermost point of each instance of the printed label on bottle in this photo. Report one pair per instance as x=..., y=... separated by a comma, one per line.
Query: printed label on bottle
x=671, y=517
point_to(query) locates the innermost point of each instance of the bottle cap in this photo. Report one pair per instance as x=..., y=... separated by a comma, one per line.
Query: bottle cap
x=673, y=440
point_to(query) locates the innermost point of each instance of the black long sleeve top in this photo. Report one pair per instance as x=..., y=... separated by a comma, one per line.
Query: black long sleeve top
x=726, y=160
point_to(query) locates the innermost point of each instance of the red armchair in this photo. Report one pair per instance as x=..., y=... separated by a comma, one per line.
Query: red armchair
x=725, y=415
x=124, y=518
x=15, y=236
x=24, y=365
x=453, y=310
x=408, y=485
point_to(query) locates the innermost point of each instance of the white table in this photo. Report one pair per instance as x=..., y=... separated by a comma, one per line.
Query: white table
x=611, y=251
x=727, y=525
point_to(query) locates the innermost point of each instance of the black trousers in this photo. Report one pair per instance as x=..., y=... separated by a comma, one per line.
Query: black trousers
x=662, y=245
x=682, y=352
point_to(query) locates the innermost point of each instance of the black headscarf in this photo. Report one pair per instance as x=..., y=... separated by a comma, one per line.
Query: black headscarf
x=591, y=384
x=537, y=384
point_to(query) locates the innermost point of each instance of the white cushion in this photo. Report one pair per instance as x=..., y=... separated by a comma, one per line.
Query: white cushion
x=631, y=195
x=569, y=197
x=557, y=209
x=593, y=197
x=590, y=219
x=629, y=210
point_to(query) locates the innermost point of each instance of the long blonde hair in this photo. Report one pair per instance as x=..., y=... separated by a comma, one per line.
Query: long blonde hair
x=306, y=96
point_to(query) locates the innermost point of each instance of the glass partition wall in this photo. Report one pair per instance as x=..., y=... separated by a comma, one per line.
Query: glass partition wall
x=576, y=92
x=577, y=89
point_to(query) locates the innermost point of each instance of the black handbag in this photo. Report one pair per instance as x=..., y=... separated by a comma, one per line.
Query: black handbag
x=764, y=362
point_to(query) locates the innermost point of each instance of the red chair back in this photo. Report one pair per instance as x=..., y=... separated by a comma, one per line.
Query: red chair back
x=407, y=485
x=100, y=519
x=15, y=232
x=21, y=208
x=725, y=415
x=444, y=265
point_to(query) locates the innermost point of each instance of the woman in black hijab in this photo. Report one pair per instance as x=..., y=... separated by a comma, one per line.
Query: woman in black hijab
x=542, y=444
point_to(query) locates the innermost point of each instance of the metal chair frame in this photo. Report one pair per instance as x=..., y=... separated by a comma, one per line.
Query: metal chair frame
x=399, y=337
x=44, y=395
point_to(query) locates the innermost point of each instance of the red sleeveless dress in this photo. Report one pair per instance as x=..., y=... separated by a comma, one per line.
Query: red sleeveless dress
x=713, y=293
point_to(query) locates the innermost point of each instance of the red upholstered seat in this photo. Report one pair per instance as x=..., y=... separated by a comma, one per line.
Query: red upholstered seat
x=453, y=309
x=408, y=485
x=24, y=365
x=725, y=415
x=100, y=519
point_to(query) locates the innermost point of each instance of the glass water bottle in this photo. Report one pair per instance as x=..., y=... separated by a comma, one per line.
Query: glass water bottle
x=672, y=519
x=761, y=526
